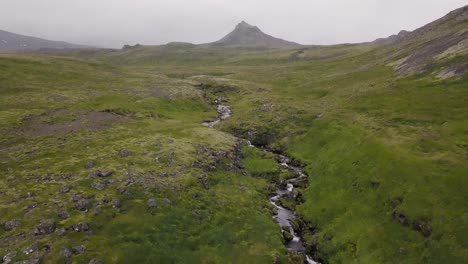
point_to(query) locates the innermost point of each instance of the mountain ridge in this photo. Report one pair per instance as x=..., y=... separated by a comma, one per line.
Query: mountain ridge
x=246, y=35
x=12, y=42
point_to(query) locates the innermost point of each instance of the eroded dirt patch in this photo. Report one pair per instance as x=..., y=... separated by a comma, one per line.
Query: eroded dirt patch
x=64, y=122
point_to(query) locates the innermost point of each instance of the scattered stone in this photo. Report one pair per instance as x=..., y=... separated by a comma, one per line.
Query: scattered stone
x=266, y=107
x=29, y=261
x=10, y=225
x=83, y=204
x=116, y=203
x=80, y=227
x=64, y=215
x=61, y=231
x=65, y=252
x=172, y=158
x=31, y=249
x=422, y=227
x=124, y=153
x=78, y=249
x=122, y=190
x=96, y=261
x=65, y=189
x=99, y=185
x=45, y=227
x=89, y=164
x=203, y=179
x=401, y=218
x=102, y=173
x=196, y=195
x=151, y=203
x=220, y=100
x=129, y=181
x=8, y=258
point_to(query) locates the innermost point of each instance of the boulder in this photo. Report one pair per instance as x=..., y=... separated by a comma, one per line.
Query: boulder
x=45, y=227
x=83, y=204
x=102, y=173
x=8, y=258
x=31, y=249
x=98, y=185
x=78, y=249
x=29, y=261
x=10, y=225
x=80, y=227
x=124, y=153
x=89, y=164
x=65, y=253
x=60, y=231
x=65, y=189
x=63, y=214
x=116, y=203
x=151, y=203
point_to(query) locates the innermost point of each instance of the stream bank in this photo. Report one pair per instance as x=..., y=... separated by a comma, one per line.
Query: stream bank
x=286, y=218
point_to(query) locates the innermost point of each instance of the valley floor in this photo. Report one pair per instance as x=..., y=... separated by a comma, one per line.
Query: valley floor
x=107, y=161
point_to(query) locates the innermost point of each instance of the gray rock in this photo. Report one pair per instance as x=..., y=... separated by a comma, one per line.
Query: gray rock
x=65, y=189
x=99, y=185
x=95, y=261
x=8, y=258
x=64, y=215
x=172, y=158
x=203, y=179
x=10, y=225
x=129, y=181
x=102, y=173
x=29, y=261
x=106, y=173
x=78, y=249
x=122, y=190
x=65, y=252
x=124, y=153
x=116, y=203
x=45, y=227
x=61, y=231
x=83, y=204
x=89, y=164
x=31, y=249
x=151, y=203
x=80, y=227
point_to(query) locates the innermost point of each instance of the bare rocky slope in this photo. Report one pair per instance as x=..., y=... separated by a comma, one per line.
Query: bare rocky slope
x=11, y=42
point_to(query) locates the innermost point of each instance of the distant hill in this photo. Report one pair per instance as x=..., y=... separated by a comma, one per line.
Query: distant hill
x=245, y=35
x=11, y=42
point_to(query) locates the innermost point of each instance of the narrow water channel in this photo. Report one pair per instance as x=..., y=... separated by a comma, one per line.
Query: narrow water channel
x=284, y=217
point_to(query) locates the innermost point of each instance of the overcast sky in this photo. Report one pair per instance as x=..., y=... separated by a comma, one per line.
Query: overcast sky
x=113, y=23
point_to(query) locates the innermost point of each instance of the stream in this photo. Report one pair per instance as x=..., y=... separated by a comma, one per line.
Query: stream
x=283, y=216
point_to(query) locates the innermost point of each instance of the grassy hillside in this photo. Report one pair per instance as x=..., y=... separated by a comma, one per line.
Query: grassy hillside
x=381, y=133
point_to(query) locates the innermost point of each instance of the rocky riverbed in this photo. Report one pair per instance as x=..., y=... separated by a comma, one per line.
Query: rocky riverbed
x=283, y=216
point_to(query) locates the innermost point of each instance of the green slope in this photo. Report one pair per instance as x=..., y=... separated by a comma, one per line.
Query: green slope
x=384, y=141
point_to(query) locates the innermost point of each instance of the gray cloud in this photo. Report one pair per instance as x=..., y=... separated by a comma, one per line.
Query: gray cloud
x=112, y=23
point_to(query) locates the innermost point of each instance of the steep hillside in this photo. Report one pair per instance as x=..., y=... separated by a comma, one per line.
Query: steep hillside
x=439, y=47
x=11, y=42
